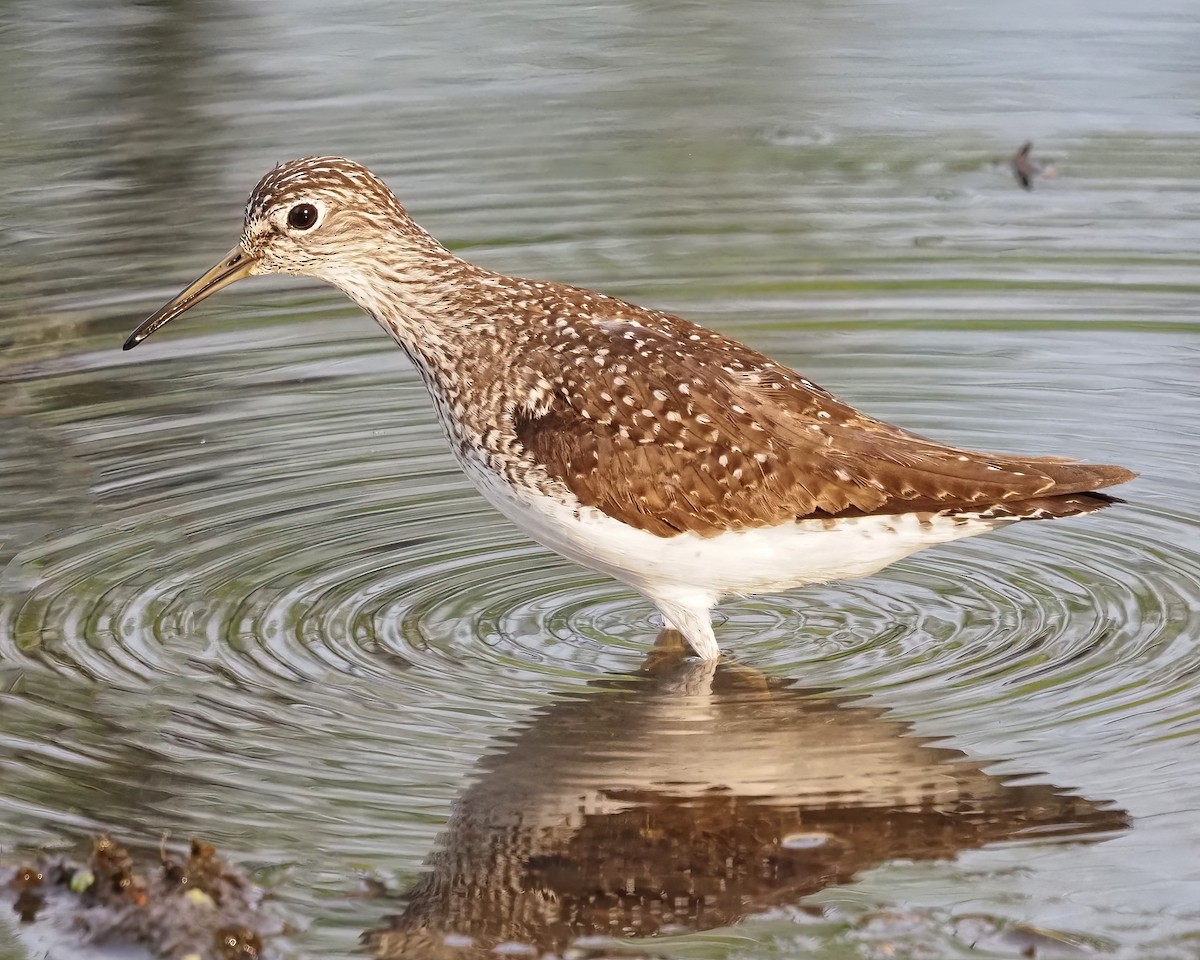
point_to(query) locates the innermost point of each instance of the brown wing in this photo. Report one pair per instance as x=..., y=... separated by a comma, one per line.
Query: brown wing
x=717, y=437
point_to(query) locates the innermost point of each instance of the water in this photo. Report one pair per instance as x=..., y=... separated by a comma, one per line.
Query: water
x=245, y=593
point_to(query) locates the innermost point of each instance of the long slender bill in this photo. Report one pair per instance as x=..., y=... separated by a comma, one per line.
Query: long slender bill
x=231, y=268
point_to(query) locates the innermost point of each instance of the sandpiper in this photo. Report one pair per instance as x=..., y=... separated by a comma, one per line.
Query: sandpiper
x=680, y=461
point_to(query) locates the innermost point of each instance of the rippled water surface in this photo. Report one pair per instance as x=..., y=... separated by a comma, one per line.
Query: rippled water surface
x=246, y=594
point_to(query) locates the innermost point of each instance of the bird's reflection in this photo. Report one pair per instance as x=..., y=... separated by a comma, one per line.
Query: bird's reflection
x=691, y=795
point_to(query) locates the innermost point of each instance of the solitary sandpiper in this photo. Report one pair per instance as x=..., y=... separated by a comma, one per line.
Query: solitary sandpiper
x=632, y=441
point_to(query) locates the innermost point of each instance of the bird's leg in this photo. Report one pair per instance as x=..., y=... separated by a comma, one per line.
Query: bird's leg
x=690, y=616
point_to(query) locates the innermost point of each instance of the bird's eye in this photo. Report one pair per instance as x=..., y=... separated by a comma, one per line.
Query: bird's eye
x=302, y=216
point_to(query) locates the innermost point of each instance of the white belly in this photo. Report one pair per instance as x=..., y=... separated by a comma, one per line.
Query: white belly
x=762, y=560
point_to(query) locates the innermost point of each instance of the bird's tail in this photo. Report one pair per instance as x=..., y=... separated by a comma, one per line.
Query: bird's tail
x=1052, y=507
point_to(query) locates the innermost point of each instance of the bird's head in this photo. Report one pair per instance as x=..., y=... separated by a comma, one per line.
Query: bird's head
x=323, y=217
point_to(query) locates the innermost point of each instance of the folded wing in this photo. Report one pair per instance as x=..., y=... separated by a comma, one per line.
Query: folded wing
x=717, y=438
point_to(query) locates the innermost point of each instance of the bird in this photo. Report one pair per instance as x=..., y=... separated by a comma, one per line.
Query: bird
x=681, y=462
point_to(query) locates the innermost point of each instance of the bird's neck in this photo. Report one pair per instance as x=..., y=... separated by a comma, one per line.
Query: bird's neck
x=443, y=312
x=416, y=289
x=435, y=305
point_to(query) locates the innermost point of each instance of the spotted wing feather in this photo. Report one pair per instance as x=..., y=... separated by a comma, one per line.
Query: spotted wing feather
x=716, y=437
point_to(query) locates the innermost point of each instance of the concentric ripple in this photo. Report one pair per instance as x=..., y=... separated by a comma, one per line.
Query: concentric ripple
x=319, y=533
x=320, y=527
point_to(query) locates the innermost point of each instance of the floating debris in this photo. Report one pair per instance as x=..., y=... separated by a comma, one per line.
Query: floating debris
x=1025, y=168
x=194, y=908
x=27, y=882
x=81, y=881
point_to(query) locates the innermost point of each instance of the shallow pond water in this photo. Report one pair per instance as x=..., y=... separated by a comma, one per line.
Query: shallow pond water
x=245, y=593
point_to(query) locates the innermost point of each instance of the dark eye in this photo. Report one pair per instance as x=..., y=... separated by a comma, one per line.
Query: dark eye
x=302, y=216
